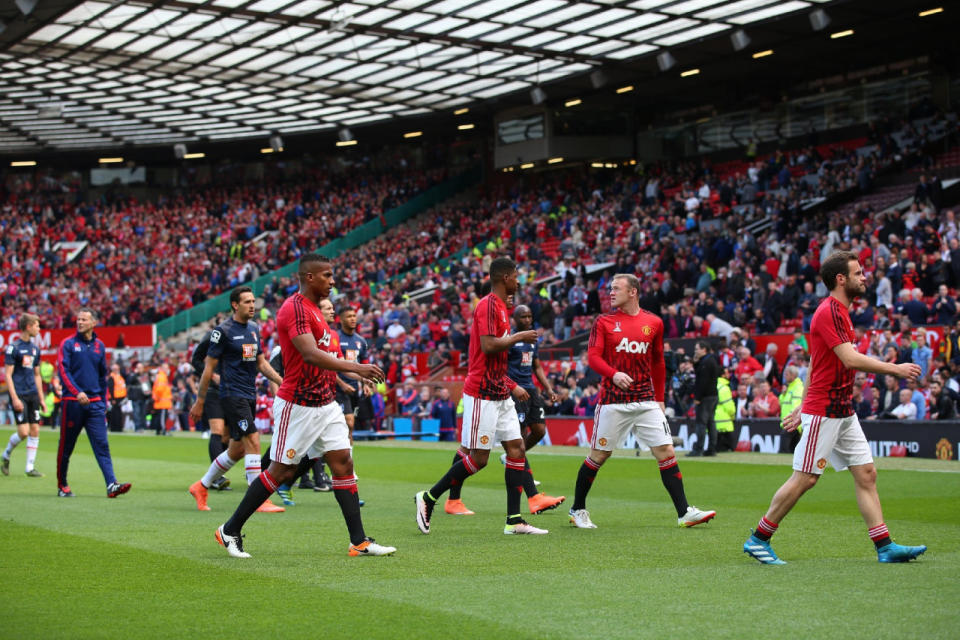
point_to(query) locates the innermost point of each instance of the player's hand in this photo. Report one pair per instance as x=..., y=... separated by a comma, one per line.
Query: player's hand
x=519, y=393
x=196, y=412
x=527, y=336
x=82, y=398
x=553, y=397
x=43, y=405
x=370, y=372
x=792, y=421
x=622, y=380
x=18, y=405
x=908, y=370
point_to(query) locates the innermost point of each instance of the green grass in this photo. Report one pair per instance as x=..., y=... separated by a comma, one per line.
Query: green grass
x=146, y=564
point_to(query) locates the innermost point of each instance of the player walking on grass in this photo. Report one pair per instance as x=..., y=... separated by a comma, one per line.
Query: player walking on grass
x=212, y=411
x=82, y=366
x=522, y=364
x=285, y=491
x=831, y=429
x=309, y=422
x=21, y=363
x=235, y=347
x=489, y=412
x=626, y=349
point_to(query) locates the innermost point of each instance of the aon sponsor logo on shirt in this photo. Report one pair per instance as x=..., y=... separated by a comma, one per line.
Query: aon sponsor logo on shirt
x=632, y=346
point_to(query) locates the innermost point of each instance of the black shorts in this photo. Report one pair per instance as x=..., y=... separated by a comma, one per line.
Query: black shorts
x=31, y=410
x=238, y=414
x=349, y=402
x=212, y=409
x=532, y=411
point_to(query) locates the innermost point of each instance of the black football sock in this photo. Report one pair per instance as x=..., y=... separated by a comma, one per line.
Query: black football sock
x=673, y=481
x=585, y=478
x=529, y=486
x=457, y=485
x=880, y=535
x=265, y=459
x=765, y=529
x=460, y=471
x=257, y=493
x=513, y=477
x=215, y=446
x=303, y=467
x=345, y=490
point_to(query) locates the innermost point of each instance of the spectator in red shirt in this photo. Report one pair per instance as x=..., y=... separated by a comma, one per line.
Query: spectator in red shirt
x=748, y=365
x=764, y=404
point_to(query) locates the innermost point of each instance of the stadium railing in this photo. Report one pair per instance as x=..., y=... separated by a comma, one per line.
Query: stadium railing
x=209, y=308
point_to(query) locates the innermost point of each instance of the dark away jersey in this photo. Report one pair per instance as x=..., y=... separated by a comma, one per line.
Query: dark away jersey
x=353, y=348
x=520, y=359
x=198, y=361
x=633, y=345
x=237, y=347
x=24, y=356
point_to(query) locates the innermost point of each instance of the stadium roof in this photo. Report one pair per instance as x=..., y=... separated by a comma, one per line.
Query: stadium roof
x=105, y=73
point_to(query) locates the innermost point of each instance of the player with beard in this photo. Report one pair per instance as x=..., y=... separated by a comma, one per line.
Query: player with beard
x=831, y=429
x=235, y=348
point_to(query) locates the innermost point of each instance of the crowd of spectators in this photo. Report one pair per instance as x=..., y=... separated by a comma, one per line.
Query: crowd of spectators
x=726, y=251
x=146, y=260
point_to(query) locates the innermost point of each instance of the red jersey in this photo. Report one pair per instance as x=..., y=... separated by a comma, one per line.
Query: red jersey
x=487, y=373
x=830, y=383
x=304, y=384
x=633, y=345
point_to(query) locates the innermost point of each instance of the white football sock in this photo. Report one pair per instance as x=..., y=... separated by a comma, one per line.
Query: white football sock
x=220, y=465
x=14, y=441
x=32, y=444
x=252, y=465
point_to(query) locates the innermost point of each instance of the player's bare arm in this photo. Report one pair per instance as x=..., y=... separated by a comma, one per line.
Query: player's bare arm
x=38, y=380
x=520, y=394
x=543, y=380
x=494, y=344
x=307, y=347
x=263, y=366
x=14, y=398
x=196, y=411
x=853, y=359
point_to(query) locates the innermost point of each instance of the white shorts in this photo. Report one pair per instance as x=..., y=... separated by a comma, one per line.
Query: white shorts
x=310, y=431
x=488, y=422
x=837, y=440
x=612, y=423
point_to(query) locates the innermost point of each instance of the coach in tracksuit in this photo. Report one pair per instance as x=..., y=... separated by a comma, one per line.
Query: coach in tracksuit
x=82, y=366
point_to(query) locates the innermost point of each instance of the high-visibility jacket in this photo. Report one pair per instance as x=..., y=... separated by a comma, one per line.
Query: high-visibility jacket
x=119, y=386
x=791, y=397
x=726, y=406
x=46, y=372
x=162, y=393
x=52, y=401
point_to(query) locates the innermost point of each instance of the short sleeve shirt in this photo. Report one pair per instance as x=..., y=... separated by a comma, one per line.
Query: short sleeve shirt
x=237, y=347
x=487, y=373
x=24, y=356
x=830, y=392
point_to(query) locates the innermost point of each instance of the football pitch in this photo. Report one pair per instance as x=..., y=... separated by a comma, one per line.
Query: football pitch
x=146, y=564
